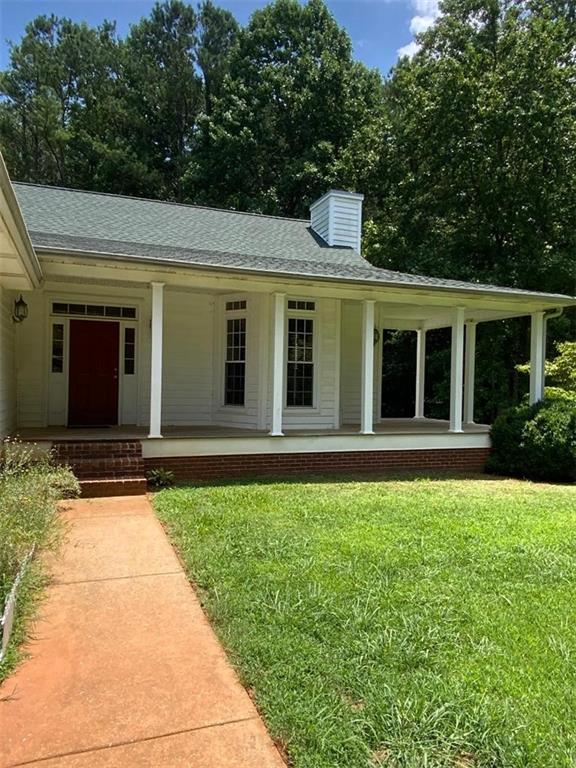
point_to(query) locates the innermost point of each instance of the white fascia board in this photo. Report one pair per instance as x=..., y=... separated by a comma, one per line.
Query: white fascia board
x=12, y=215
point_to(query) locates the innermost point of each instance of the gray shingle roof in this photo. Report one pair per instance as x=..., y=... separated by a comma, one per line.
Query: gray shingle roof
x=150, y=230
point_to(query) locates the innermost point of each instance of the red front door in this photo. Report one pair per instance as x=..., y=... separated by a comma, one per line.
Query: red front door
x=93, y=373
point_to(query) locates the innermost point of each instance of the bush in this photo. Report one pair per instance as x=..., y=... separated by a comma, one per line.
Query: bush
x=160, y=478
x=30, y=486
x=536, y=441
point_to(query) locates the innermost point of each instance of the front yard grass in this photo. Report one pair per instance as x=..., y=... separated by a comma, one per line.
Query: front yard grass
x=406, y=623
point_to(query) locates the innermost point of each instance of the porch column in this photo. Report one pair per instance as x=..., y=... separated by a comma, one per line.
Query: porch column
x=279, y=320
x=156, y=360
x=367, y=410
x=420, y=373
x=469, y=372
x=456, y=371
x=537, y=330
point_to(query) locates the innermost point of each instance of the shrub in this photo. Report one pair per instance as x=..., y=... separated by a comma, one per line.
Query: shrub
x=160, y=478
x=536, y=441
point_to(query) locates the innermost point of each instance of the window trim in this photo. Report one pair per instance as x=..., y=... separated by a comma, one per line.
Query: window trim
x=63, y=355
x=306, y=314
x=120, y=318
x=127, y=327
x=230, y=315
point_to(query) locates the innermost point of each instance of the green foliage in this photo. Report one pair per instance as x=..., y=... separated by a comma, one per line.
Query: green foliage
x=562, y=369
x=30, y=486
x=537, y=441
x=404, y=623
x=290, y=102
x=160, y=478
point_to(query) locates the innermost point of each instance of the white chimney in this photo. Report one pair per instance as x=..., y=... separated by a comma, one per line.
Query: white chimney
x=337, y=218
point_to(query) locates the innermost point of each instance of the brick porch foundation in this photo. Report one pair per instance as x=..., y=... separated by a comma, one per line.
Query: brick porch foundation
x=346, y=462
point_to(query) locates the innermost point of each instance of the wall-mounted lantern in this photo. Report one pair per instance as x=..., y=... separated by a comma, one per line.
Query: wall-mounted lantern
x=20, y=311
x=376, y=336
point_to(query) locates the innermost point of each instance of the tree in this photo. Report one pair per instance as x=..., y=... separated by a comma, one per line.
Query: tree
x=289, y=105
x=164, y=92
x=218, y=31
x=59, y=71
x=475, y=175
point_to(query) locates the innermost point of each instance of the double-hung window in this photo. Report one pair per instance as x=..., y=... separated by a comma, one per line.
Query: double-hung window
x=300, y=364
x=235, y=356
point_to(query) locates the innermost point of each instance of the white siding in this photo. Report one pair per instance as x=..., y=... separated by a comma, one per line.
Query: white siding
x=337, y=218
x=346, y=223
x=320, y=220
x=351, y=352
x=31, y=358
x=7, y=367
x=187, y=380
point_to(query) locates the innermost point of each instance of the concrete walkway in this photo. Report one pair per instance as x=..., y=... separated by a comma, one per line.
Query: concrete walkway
x=124, y=669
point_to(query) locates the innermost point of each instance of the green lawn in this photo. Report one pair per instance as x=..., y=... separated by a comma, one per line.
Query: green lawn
x=412, y=622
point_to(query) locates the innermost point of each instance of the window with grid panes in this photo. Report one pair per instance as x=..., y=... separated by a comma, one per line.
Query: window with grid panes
x=235, y=363
x=129, y=351
x=57, y=348
x=300, y=372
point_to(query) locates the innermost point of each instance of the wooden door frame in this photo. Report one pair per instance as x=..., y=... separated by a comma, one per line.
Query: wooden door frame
x=90, y=298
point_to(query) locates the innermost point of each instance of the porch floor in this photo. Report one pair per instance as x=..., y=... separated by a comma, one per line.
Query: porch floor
x=127, y=432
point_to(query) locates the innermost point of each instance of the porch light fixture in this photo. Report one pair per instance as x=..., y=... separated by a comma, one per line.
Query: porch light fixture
x=20, y=311
x=376, y=336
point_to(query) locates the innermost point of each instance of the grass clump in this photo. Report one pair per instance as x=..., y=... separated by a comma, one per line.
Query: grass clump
x=30, y=486
x=406, y=623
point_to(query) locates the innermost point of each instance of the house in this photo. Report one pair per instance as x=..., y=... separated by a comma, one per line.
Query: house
x=137, y=334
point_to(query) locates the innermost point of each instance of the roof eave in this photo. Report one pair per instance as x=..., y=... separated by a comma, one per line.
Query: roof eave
x=19, y=231
x=554, y=300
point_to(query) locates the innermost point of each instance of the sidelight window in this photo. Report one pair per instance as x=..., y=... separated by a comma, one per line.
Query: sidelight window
x=57, y=348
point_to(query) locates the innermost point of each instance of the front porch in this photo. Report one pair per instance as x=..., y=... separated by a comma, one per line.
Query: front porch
x=207, y=381
x=409, y=427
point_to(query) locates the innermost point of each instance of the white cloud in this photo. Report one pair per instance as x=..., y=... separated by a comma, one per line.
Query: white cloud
x=419, y=24
x=408, y=50
x=425, y=14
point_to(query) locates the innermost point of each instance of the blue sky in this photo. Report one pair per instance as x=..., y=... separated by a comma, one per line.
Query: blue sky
x=379, y=29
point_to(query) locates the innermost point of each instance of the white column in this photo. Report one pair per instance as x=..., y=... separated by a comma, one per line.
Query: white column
x=156, y=360
x=367, y=411
x=420, y=373
x=279, y=310
x=469, y=372
x=456, y=371
x=537, y=327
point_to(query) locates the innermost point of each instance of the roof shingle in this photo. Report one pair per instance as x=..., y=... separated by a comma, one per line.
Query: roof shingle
x=96, y=223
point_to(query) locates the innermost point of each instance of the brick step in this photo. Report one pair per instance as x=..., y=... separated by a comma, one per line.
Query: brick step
x=90, y=468
x=101, y=459
x=115, y=486
x=83, y=449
